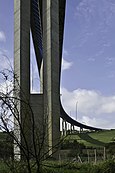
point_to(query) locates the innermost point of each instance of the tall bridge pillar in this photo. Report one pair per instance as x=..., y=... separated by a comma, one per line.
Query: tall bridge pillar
x=51, y=72
x=22, y=66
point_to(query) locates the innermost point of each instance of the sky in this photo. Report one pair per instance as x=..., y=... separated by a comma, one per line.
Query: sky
x=88, y=68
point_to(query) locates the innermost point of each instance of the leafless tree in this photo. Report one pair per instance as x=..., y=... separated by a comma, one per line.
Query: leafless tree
x=30, y=142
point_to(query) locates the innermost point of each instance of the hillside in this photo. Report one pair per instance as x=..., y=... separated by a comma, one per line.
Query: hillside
x=100, y=138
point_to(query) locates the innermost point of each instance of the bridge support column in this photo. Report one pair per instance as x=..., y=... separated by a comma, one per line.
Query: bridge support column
x=70, y=128
x=51, y=74
x=62, y=127
x=22, y=71
x=65, y=128
x=81, y=130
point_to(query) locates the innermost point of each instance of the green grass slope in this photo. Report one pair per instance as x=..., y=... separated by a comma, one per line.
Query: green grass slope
x=105, y=136
x=86, y=137
x=100, y=138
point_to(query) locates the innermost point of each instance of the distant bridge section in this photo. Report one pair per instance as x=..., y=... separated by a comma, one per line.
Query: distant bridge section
x=68, y=119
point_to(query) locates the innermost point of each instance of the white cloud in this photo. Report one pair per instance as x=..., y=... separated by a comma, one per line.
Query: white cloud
x=109, y=61
x=98, y=122
x=93, y=108
x=66, y=64
x=6, y=86
x=89, y=121
x=7, y=63
x=65, y=52
x=2, y=36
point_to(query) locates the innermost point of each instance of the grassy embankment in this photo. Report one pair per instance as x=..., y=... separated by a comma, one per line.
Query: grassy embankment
x=94, y=139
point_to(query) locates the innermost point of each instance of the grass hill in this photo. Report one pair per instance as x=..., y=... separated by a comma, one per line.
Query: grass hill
x=95, y=139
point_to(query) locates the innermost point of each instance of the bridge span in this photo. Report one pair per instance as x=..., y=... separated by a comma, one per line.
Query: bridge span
x=73, y=122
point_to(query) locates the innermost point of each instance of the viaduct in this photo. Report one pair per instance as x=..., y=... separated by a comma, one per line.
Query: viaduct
x=45, y=20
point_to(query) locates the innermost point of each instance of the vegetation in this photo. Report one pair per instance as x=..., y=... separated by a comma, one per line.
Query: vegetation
x=6, y=146
x=71, y=167
x=89, y=146
x=93, y=139
x=104, y=167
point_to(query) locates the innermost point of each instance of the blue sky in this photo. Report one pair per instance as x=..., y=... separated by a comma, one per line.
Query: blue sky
x=6, y=27
x=88, y=71
x=90, y=44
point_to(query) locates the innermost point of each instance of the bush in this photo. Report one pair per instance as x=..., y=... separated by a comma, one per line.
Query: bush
x=108, y=166
x=104, y=167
